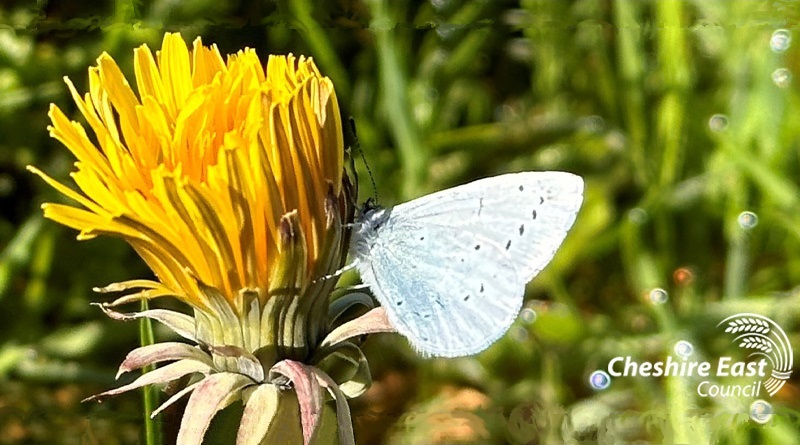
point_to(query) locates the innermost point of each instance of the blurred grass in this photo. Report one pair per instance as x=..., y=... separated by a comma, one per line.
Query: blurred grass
x=667, y=108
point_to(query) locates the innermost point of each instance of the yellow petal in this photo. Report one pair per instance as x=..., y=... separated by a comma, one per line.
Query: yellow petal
x=199, y=167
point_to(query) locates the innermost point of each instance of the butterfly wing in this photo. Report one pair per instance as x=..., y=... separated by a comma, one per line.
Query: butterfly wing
x=449, y=291
x=527, y=214
x=451, y=267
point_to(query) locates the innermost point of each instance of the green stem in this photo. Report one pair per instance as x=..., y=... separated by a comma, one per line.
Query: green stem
x=125, y=13
x=737, y=265
x=675, y=71
x=18, y=251
x=320, y=43
x=631, y=66
x=152, y=427
x=550, y=397
x=398, y=109
x=678, y=391
x=40, y=266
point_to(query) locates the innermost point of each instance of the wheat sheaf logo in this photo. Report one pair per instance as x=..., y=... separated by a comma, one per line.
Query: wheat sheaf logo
x=764, y=338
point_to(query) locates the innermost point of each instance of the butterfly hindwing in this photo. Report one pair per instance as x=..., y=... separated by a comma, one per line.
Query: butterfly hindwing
x=450, y=292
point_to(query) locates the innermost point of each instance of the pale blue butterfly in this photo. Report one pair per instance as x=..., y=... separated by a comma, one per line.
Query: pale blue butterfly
x=450, y=268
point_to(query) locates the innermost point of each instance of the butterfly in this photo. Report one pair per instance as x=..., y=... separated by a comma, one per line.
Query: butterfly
x=450, y=268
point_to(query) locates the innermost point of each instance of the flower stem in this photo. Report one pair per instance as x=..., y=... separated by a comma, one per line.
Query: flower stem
x=152, y=427
x=395, y=87
x=320, y=44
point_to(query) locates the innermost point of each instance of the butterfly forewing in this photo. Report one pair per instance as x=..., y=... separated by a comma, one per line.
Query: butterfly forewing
x=527, y=214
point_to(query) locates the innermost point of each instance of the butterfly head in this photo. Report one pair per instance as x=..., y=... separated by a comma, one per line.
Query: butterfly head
x=370, y=218
x=366, y=211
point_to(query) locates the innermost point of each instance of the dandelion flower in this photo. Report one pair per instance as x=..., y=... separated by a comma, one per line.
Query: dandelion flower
x=227, y=179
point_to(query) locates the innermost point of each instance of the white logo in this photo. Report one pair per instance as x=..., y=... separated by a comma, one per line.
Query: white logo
x=763, y=338
x=767, y=340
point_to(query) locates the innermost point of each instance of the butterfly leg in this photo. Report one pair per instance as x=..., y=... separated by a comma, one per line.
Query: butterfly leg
x=338, y=273
x=355, y=287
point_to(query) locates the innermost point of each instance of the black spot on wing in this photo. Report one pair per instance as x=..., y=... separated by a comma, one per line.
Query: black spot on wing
x=534, y=213
x=477, y=247
x=508, y=244
x=521, y=188
x=521, y=229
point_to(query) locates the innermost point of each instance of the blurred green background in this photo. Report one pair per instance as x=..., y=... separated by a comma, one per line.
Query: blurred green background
x=680, y=115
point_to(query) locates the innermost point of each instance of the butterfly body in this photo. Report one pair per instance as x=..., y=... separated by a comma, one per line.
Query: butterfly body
x=450, y=268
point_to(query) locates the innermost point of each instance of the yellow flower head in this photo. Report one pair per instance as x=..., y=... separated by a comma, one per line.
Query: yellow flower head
x=221, y=174
x=227, y=179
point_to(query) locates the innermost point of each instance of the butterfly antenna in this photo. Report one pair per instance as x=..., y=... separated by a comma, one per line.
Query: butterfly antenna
x=357, y=145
